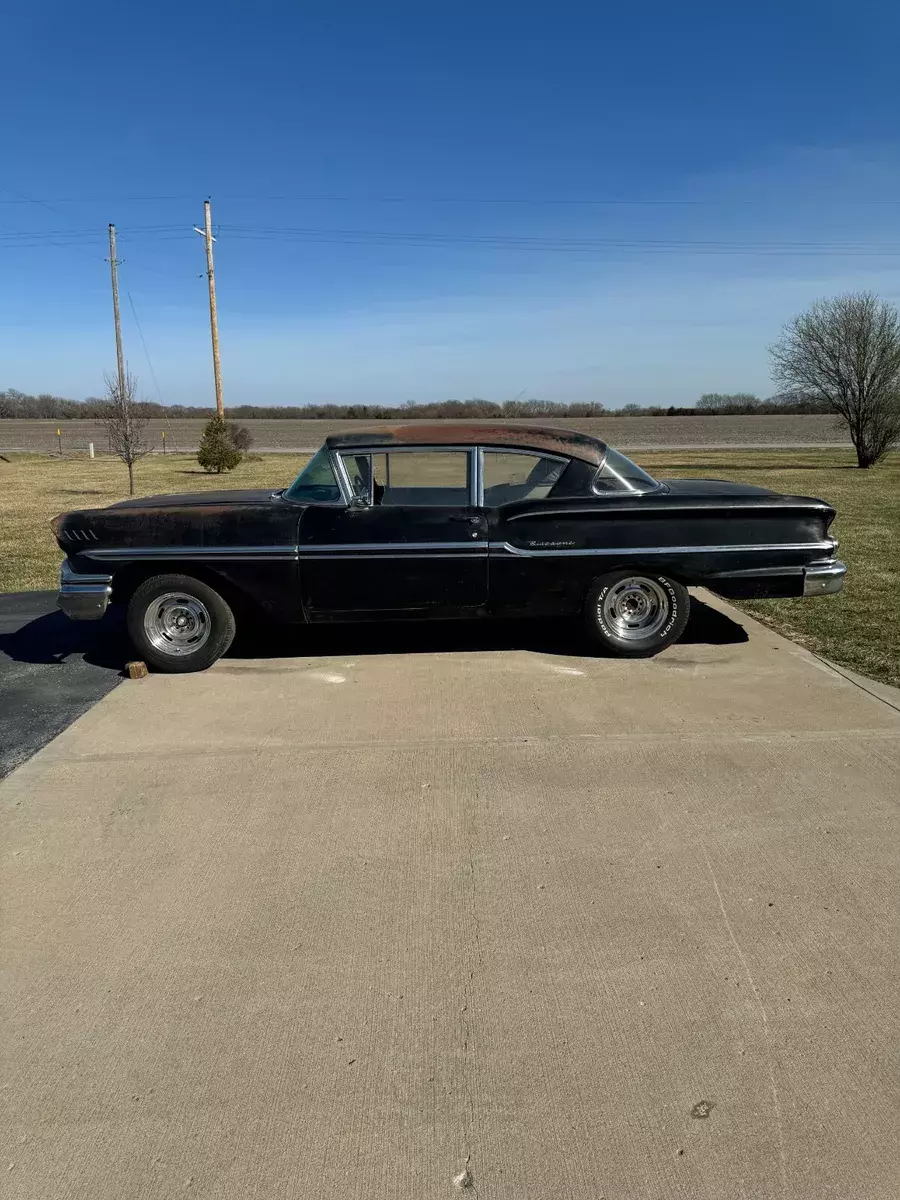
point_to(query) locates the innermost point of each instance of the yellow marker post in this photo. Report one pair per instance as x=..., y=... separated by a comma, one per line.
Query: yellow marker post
x=164, y=441
x=59, y=442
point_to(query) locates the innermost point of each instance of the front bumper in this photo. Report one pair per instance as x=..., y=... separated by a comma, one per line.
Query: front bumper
x=83, y=597
x=823, y=579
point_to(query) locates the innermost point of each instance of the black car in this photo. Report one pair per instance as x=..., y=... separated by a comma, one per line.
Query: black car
x=442, y=520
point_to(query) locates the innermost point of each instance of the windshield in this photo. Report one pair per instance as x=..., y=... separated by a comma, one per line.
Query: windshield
x=620, y=474
x=316, y=483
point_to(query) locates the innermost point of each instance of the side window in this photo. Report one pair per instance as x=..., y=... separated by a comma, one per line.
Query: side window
x=510, y=475
x=418, y=477
x=316, y=483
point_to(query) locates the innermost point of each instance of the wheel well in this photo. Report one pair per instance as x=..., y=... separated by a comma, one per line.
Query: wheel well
x=645, y=568
x=128, y=579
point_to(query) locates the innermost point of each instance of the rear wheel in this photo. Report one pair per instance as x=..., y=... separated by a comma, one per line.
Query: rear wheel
x=636, y=614
x=179, y=624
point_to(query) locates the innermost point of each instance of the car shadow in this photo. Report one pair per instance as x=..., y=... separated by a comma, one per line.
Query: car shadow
x=51, y=638
x=706, y=626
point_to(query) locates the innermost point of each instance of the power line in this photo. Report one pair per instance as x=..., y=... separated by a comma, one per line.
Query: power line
x=450, y=200
x=558, y=245
x=529, y=240
x=144, y=344
x=62, y=245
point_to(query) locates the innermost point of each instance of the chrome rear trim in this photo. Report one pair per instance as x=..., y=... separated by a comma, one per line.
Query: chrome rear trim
x=824, y=579
x=619, y=551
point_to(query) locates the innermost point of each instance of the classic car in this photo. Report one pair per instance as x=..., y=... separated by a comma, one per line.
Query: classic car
x=442, y=520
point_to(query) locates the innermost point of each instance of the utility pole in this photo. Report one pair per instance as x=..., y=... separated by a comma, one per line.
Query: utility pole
x=207, y=233
x=114, y=272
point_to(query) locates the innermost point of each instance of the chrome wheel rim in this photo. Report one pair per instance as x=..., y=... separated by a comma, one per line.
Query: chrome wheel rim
x=177, y=623
x=635, y=608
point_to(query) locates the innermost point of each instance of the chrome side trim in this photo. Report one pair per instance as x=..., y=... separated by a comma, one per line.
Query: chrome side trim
x=408, y=557
x=290, y=553
x=434, y=549
x=758, y=573
x=374, y=548
x=68, y=577
x=611, y=499
x=195, y=552
x=618, y=551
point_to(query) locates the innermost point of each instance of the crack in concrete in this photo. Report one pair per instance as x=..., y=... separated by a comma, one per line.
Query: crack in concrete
x=776, y=1102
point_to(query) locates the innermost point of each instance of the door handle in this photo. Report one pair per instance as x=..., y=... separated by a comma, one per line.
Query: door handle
x=468, y=520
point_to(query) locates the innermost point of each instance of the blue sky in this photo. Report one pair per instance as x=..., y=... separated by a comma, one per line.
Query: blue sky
x=418, y=201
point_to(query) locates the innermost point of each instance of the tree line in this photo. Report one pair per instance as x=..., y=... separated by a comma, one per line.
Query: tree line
x=15, y=404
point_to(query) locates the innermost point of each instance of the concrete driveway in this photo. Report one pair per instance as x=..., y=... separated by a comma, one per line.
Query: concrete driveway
x=361, y=924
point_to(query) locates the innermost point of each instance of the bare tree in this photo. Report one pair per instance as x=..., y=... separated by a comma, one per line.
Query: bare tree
x=738, y=403
x=846, y=351
x=125, y=427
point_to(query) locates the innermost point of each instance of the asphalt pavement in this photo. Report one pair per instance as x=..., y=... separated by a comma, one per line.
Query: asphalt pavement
x=51, y=671
x=409, y=917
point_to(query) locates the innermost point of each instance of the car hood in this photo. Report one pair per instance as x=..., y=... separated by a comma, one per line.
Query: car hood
x=231, y=497
x=714, y=487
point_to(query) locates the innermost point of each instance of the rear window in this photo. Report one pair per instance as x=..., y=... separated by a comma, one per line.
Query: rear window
x=620, y=474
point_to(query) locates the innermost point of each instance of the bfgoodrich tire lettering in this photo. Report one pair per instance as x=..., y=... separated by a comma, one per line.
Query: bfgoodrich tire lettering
x=635, y=613
x=179, y=624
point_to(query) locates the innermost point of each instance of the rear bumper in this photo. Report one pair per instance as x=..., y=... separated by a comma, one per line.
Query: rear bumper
x=774, y=583
x=823, y=579
x=83, y=597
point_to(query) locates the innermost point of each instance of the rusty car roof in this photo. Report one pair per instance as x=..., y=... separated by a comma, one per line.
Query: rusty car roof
x=474, y=433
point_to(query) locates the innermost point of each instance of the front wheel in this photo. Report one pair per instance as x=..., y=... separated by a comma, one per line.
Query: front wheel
x=635, y=615
x=179, y=624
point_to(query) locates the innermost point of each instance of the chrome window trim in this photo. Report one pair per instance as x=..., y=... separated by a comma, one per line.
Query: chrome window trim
x=342, y=477
x=487, y=448
x=612, y=551
x=341, y=455
x=470, y=452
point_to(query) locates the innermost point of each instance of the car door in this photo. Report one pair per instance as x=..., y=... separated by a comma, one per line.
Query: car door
x=411, y=541
x=516, y=487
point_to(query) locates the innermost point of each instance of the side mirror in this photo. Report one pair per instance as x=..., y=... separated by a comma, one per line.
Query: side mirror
x=359, y=502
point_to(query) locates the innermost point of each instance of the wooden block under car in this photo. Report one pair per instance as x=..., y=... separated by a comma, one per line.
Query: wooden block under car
x=137, y=670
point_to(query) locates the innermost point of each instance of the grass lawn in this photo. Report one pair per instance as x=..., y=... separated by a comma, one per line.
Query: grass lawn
x=859, y=628
x=34, y=488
